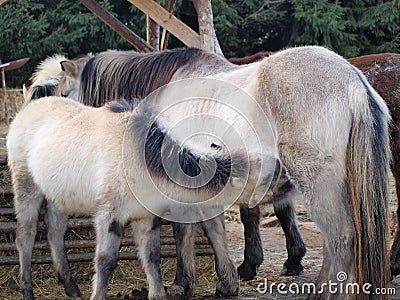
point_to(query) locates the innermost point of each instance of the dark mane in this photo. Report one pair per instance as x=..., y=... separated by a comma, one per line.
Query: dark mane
x=160, y=148
x=39, y=91
x=122, y=105
x=120, y=74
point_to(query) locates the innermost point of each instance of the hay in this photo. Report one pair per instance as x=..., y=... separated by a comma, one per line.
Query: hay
x=15, y=101
x=128, y=277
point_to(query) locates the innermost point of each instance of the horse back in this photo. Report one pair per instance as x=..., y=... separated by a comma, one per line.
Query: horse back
x=304, y=86
x=61, y=143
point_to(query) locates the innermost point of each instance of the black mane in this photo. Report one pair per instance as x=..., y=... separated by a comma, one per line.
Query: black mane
x=39, y=91
x=129, y=75
x=160, y=148
x=121, y=106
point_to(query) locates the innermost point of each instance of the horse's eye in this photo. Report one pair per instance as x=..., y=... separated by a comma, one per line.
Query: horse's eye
x=64, y=95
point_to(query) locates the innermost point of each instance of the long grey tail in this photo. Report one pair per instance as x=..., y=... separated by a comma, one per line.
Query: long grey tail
x=368, y=157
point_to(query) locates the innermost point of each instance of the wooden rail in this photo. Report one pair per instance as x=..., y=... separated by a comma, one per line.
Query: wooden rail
x=87, y=257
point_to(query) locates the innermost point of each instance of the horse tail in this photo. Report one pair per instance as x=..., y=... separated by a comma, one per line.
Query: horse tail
x=166, y=158
x=368, y=157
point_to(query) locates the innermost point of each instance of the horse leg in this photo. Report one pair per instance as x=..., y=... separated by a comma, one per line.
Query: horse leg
x=57, y=225
x=227, y=275
x=253, y=251
x=296, y=249
x=395, y=251
x=147, y=239
x=27, y=202
x=109, y=232
x=185, y=279
x=331, y=212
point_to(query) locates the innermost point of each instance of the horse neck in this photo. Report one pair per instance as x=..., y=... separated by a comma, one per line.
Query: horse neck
x=128, y=74
x=219, y=107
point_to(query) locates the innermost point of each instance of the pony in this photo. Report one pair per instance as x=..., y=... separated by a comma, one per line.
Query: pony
x=45, y=79
x=147, y=73
x=70, y=154
x=332, y=134
x=383, y=73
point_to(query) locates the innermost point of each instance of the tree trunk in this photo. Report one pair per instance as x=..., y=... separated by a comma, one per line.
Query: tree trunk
x=208, y=38
x=153, y=31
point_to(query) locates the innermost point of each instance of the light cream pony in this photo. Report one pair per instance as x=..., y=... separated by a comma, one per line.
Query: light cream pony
x=108, y=162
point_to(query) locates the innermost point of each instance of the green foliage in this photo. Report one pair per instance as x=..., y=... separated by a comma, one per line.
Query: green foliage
x=249, y=26
x=41, y=28
x=350, y=28
x=322, y=22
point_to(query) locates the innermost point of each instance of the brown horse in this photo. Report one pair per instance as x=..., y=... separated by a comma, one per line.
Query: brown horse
x=383, y=72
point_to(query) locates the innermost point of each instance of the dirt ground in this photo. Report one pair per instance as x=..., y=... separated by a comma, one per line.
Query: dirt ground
x=275, y=255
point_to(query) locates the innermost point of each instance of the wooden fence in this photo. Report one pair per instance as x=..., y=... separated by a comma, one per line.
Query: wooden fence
x=81, y=231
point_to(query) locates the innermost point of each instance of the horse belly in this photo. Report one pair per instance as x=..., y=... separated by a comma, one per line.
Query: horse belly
x=67, y=175
x=72, y=192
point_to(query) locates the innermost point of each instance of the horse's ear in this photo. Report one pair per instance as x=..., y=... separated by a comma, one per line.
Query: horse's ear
x=69, y=67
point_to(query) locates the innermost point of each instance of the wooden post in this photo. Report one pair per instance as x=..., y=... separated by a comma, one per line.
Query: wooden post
x=3, y=83
x=153, y=31
x=208, y=37
x=168, y=21
x=2, y=2
x=165, y=33
x=117, y=26
x=205, y=19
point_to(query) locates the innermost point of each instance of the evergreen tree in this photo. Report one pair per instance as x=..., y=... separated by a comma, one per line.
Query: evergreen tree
x=41, y=28
x=350, y=28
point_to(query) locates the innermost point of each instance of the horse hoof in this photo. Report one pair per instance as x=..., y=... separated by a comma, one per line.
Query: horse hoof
x=177, y=292
x=291, y=270
x=28, y=295
x=226, y=291
x=158, y=297
x=72, y=290
x=246, y=272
